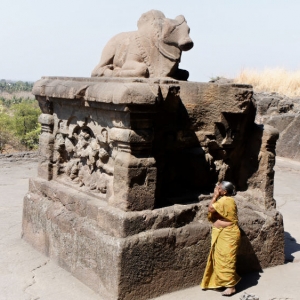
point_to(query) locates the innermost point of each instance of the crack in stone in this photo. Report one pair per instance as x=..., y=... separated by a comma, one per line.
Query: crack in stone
x=284, y=203
x=33, y=280
x=281, y=299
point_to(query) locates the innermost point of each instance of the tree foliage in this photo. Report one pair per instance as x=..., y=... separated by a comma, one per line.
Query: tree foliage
x=19, y=125
x=7, y=103
x=25, y=117
x=17, y=86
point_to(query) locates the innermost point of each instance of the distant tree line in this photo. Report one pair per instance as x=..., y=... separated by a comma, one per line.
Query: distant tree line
x=19, y=127
x=15, y=86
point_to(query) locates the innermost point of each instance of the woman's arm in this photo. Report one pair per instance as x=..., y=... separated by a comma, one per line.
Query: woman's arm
x=214, y=199
x=222, y=223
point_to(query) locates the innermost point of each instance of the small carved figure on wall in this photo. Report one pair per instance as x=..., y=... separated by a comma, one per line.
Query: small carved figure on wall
x=85, y=159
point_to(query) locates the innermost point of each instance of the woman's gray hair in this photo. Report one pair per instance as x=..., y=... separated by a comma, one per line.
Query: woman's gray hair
x=229, y=187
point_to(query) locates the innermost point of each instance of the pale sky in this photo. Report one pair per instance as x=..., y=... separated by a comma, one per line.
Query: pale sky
x=66, y=37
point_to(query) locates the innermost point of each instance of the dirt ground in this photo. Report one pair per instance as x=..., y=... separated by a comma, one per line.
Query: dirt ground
x=25, y=274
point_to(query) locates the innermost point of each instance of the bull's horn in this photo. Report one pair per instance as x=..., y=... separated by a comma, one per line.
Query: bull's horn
x=180, y=19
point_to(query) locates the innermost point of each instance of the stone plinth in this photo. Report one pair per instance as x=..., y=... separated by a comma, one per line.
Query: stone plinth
x=127, y=168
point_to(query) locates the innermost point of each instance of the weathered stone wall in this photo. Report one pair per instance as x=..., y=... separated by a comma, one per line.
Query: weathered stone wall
x=139, y=255
x=282, y=113
x=126, y=171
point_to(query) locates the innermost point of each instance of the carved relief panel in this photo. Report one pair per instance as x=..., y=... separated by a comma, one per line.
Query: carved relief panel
x=83, y=152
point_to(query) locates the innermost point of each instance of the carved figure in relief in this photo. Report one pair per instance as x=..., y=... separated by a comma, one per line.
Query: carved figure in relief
x=72, y=168
x=85, y=159
x=59, y=147
x=154, y=50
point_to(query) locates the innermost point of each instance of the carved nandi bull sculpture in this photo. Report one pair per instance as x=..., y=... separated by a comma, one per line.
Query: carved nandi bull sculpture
x=154, y=50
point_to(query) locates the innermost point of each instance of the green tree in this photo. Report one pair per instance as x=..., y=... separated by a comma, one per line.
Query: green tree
x=25, y=118
x=6, y=122
x=19, y=126
x=31, y=139
x=6, y=131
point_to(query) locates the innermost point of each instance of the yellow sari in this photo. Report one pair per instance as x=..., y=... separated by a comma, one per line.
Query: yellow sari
x=220, y=267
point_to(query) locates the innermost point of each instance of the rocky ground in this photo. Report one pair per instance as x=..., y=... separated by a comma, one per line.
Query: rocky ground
x=26, y=274
x=31, y=156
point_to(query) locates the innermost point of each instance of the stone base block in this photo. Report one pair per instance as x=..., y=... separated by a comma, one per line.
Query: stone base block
x=138, y=255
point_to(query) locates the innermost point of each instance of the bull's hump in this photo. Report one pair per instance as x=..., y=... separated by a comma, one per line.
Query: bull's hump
x=120, y=38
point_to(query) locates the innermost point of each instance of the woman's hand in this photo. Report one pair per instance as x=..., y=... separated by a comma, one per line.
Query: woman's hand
x=217, y=194
x=217, y=191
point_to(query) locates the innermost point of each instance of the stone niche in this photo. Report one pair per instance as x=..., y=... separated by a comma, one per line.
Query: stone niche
x=127, y=167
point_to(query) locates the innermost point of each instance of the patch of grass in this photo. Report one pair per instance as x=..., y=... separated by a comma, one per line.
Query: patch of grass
x=272, y=80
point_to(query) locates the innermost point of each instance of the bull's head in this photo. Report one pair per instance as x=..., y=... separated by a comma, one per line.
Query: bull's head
x=176, y=32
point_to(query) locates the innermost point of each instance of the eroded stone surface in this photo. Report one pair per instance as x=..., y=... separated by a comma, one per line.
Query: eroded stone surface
x=282, y=113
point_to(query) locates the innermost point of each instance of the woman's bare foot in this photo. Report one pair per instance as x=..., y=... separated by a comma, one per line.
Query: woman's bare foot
x=229, y=291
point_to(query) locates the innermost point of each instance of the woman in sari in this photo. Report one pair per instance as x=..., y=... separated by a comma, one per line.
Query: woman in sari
x=220, y=268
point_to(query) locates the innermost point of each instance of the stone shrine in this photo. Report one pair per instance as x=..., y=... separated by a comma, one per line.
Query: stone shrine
x=128, y=162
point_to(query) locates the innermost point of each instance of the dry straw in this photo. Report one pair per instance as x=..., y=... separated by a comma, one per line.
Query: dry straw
x=272, y=80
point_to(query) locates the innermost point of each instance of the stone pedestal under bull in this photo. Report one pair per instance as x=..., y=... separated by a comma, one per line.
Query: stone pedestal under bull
x=127, y=167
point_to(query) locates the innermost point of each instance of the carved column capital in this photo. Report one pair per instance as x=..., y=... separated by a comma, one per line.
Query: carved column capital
x=47, y=122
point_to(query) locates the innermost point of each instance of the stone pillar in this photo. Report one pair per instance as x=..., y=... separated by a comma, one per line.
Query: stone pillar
x=267, y=162
x=46, y=143
x=134, y=174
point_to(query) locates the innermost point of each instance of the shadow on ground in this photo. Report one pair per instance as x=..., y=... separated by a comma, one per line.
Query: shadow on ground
x=251, y=279
x=291, y=246
x=248, y=280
